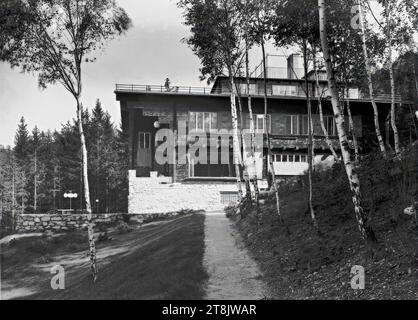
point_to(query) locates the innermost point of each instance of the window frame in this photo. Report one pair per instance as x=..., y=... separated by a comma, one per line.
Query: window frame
x=200, y=118
x=142, y=141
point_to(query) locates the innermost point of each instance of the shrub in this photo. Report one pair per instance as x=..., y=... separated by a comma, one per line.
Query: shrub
x=123, y=227
x=231, y=211
x=104, y=237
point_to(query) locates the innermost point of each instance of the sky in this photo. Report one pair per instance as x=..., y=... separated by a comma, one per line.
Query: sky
x=147, y=54
x=150, y=52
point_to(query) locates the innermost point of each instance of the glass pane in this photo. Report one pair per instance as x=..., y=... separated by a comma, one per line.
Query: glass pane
x=304, y=159
x=284, y=158
x=199, y=121
x=207, y=121
x=290, y=158
x=260, y=124
x=295, y=125
x=297, y=158
x=147, y=140
x=141, y=141
x=305, y=125
x=214, y=121
x=192, y=121
x=288, y=129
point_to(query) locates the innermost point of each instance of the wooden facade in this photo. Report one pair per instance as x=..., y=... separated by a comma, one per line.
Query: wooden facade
x=143, y=110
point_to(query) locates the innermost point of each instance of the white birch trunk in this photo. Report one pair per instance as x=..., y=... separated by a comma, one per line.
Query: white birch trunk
x=392, y=85
x=321, y=113
x=310, y=135
x=13, y=199
x=243, y=164
x=252, y=127
x=236, y=146
x=362, y=222
x=90, y=230
x=270, y=166
x=352, y=131
x=36, y=182
x=370, y=82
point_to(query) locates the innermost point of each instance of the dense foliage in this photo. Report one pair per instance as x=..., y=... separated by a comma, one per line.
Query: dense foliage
x=58, y=166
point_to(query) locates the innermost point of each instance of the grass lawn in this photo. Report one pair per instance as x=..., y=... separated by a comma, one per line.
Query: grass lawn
x=161, y=260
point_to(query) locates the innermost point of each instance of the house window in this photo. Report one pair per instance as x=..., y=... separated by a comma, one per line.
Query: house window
x=292, y=125
x=144, y=140
x=258, y=122
x=243, y=89
x=203, y=121
x=285, y=90
x=330, y=125
x=290, y=158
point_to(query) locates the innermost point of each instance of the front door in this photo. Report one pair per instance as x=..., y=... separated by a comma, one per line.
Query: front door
x=144, y=150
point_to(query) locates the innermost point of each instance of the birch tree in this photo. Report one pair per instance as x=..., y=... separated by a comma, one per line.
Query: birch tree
x=248, y=44
x=259, y=13
x=217, y=39
x=54, y=38
x=352, y=175
x=368, y=70
x=397, y=29
x=296, y=23
x=320, y=108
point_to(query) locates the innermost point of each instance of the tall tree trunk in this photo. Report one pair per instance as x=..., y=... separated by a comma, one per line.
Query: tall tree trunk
x=13, y=198
x=36, y=182
x=321, y=112
x=243, y=164
x=392, y=82
x=354, y=182
x=352, y=131
x=267, y=135
x=86, y=190
x=236, y=146
x=310, y=134
x=370, y=81
x=415, y=74
x=252, y=127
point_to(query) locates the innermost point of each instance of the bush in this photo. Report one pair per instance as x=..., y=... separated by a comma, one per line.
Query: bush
x=126, y=218
x=231, y=211
x=104, y=237
x=123, y=227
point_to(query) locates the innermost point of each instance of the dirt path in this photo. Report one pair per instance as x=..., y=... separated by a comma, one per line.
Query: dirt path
x=161, y=260
x=233, y=275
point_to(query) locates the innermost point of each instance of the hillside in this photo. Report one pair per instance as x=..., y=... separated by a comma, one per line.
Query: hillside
x=306, y=264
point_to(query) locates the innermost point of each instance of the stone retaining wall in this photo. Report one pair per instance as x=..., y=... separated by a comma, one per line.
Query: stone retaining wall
x=28, y=223
x=152, y=195
x=60, y=222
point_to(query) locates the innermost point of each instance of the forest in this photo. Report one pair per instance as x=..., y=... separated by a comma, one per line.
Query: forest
x=42, y=166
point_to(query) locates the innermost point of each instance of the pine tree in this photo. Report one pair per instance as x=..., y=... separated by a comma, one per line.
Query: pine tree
x=22, y=142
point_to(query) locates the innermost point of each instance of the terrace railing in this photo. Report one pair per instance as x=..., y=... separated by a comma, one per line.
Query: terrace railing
x=132, y=88
x=162, y=89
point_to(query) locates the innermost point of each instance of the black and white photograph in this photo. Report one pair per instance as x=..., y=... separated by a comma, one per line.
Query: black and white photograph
x=213, y=156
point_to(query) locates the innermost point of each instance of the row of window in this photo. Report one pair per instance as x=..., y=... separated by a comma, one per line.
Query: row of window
x=294, y=124
x=207, y=121
x=289, y=158
x=293, y=90
x=299, y=125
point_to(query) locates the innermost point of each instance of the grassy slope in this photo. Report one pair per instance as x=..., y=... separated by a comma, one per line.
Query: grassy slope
x=164, y=262
x=305, y=265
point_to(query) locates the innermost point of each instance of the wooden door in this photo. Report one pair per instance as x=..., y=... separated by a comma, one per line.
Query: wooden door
x=144, y=150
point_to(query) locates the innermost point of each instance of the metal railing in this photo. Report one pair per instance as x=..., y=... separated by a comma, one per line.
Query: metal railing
x=243, y=91
x=162, y=89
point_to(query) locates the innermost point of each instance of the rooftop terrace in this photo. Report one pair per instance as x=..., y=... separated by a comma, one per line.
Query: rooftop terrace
x=207, y=91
